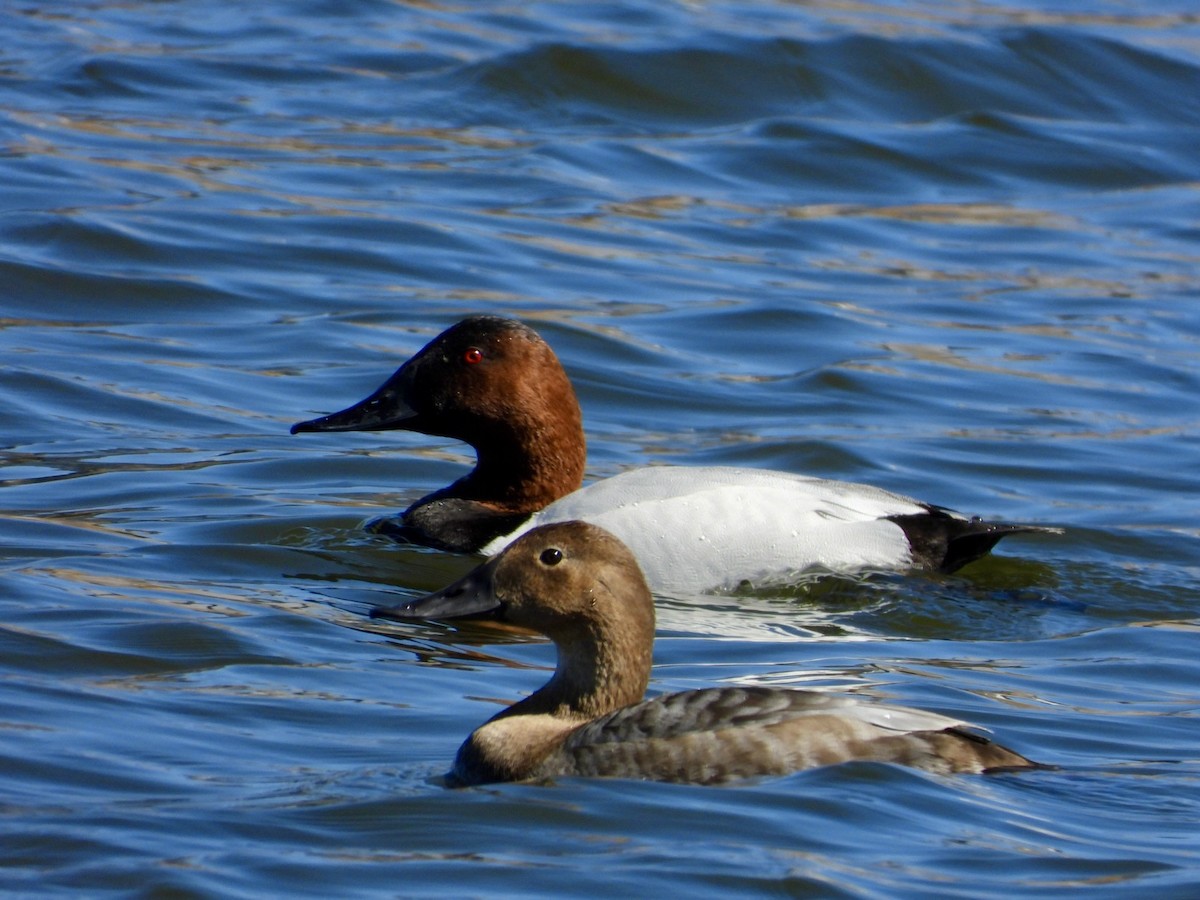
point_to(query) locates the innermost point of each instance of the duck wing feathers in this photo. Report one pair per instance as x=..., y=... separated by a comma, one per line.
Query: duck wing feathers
x=722, y=734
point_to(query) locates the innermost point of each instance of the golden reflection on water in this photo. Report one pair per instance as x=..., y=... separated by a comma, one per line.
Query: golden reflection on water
x=227, y=601
x=85, y=520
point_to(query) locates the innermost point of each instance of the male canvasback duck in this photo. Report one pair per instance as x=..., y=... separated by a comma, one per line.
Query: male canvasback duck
x=580, y=586
x=495, y=384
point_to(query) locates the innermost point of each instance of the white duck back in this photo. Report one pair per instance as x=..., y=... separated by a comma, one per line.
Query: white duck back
x=698, y=528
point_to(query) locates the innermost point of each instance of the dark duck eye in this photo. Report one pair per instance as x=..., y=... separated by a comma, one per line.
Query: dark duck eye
x=472, y=355
x=551, y=556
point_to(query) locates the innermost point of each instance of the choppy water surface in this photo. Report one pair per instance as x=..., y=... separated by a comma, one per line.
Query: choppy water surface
x=947, y=248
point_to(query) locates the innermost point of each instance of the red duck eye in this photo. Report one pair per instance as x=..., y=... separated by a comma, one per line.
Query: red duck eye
x=472, y=356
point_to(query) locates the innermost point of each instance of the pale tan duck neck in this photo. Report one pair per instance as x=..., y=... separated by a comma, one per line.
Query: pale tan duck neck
x=596, y=673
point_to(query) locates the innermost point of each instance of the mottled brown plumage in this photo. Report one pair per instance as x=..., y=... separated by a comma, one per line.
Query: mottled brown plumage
x=581, y=587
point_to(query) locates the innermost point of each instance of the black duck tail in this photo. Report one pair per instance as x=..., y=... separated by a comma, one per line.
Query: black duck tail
x=943, y=541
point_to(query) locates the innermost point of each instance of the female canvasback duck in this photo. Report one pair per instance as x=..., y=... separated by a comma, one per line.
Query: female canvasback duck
x=495, y=384
x=580, y=586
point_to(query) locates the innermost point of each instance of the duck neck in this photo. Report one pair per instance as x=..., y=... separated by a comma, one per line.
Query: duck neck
x=524, y=466
x=598, y=671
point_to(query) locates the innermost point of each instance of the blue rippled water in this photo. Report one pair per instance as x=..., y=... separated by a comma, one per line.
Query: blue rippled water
x=946, y=248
